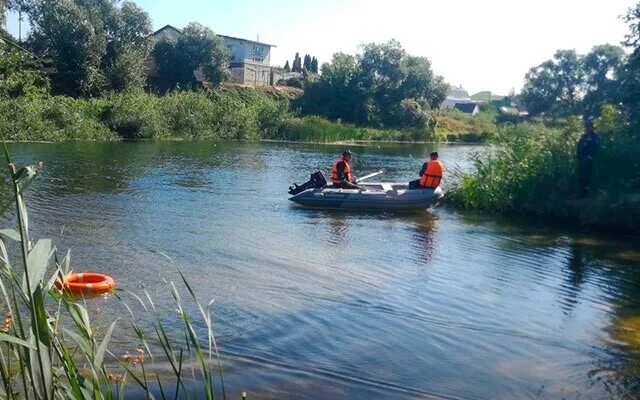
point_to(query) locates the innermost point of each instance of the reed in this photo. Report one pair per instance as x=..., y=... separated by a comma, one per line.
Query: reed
x=50, y=349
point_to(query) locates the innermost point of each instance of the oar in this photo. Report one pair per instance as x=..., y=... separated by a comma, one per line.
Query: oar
x=369, y=176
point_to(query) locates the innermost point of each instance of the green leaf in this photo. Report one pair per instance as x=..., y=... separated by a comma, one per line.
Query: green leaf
x=97, y=362
x=11, y=234
x=37, y=260
x=83, y=343
x=41, y=366
x=15, y=340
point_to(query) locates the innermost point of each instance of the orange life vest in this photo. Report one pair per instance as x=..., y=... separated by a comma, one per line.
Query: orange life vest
x=334, y=171
x=433, y=175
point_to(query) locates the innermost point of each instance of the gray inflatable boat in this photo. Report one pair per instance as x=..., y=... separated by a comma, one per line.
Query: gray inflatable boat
x=371, y=196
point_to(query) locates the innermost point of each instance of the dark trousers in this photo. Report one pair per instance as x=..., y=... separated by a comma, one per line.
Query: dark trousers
x=585, y=168
x=416, y=185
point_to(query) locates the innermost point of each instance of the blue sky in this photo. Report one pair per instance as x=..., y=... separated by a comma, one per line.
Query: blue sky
x=483, y=45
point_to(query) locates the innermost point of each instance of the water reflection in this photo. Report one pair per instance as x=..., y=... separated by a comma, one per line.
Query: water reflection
x=316, y=303
x=424, y=237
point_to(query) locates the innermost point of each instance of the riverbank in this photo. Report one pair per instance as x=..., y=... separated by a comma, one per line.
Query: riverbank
x=533, y=171
x=230, y=112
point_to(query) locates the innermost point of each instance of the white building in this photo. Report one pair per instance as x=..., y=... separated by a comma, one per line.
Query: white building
x=249, y=61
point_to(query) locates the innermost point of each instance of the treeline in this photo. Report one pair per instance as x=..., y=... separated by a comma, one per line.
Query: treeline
x=310, y=64
x=534, y=169
x=93, y=48
x=382, y=86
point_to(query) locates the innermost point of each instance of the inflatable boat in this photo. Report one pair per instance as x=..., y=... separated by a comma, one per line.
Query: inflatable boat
x=370, y=196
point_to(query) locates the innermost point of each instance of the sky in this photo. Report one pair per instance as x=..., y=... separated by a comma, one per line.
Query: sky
x=481, y=45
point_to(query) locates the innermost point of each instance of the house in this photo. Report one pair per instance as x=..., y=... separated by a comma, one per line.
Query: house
x=467, y=108
x=455, y=95
x=249, y=60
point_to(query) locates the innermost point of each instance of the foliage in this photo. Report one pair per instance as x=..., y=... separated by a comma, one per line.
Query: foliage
x=382, y=86
x=533, y=170
x=572, y=84
x=287, y=68
x=20, y=73
x=93, y=46
x=321, y=130
x=314, y=65
x=197, y=51
x=297, y=64
x=51, y=349
x=630, y=75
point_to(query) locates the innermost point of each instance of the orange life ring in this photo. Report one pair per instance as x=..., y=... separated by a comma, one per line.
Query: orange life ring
x=86, y=282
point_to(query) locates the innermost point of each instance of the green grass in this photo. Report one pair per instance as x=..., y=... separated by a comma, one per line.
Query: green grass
x=49, y=348
x=531, y=169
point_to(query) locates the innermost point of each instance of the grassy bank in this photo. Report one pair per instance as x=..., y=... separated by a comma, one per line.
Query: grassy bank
x=230, y=112
x=533, y=171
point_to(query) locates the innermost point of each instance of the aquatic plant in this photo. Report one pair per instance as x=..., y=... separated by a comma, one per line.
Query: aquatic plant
x=50, y=349
x=531, y=169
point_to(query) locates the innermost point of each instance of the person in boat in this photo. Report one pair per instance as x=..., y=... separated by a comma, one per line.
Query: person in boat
x=430, y=174
x=586, y=150
x=341, y=172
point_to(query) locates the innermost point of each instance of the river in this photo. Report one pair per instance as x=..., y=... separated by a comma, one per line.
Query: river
x=326, y=304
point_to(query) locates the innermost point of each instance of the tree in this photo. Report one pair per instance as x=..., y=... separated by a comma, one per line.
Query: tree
x=287, y=68
x=381, y=86
x=555, y=86
x=92, y=46
x=571, y=84
x=20, y=74
x=601, y=71
x=314, y=65
x=197, y=51
x=630, y=72
x=307, y=63
x=297, y=64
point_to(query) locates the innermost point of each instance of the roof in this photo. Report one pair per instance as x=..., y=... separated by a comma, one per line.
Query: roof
x=247, y=40
x=164, y=28
x=486, y=96
x=466, y=107
x=173, y=28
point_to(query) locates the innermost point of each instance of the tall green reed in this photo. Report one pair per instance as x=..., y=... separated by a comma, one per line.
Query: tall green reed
x=49, y=348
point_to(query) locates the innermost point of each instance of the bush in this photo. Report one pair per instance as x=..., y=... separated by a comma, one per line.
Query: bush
x=532, y=169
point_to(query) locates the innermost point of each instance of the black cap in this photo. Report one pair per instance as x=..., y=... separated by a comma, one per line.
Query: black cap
x=433, y=154
x=347, y=152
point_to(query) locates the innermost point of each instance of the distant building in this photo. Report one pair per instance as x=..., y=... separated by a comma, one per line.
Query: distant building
x=249, y=61
x=467, y=108
x=455, y=95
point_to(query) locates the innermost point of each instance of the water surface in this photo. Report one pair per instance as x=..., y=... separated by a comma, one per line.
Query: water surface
x=328, y=304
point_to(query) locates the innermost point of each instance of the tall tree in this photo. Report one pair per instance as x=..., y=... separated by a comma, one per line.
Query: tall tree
x=287, y=68
x=314, y=65
x=93, y=45
x=381, y=86
x=630, y=72
x=602, y=68
x=556, y=85
x=196, y=51
x=307, y=62
x=297, y=64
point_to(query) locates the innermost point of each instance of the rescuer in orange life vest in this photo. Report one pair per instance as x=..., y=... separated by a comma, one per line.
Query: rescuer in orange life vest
x=341, y=172
x=430, y=174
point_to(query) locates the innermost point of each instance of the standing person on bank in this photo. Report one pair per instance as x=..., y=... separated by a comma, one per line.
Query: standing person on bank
x=430, y=174
x=586, y=150
x=341, y=172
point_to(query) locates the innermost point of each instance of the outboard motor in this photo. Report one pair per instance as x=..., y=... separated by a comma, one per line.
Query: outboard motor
x=317, y=180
